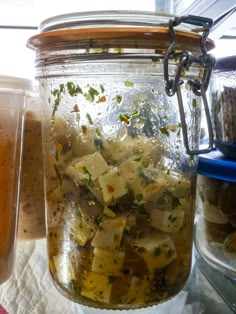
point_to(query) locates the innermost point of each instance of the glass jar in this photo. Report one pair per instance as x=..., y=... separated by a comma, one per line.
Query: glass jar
x=215, y=230
x=120, y=186
x=223, y=103
x=32, y=209
x=13, y=92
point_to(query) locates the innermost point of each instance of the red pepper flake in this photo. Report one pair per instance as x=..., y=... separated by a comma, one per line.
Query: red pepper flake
x=76, y=108
x=110, y=188
x=102, y=99
x=84, y=129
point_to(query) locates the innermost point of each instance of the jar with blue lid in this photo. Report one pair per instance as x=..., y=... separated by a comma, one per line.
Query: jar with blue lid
x=215, y=227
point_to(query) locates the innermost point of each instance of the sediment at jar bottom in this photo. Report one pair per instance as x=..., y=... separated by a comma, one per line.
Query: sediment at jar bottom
x=32, y=208
x=7, y=210
x=120, y=224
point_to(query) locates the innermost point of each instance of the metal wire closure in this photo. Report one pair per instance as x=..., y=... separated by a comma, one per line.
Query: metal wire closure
x=185, y=60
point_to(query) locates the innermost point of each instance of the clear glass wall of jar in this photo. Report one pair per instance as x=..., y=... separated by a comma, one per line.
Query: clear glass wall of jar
x=120, y=187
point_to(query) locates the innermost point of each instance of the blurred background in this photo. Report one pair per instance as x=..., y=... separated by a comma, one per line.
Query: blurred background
x=19, y=19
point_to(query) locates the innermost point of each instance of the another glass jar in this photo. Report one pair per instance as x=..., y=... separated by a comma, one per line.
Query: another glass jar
x=223, y=95
x=13, y=91
x=215, y=231
x=120, y=187
x=32, y=209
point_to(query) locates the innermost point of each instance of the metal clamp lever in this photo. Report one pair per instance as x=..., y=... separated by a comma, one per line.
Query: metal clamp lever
x=185, y=61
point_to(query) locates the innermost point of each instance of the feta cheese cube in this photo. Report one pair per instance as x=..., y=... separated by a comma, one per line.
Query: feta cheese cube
x=167, y=220
x=109, y=233
x=109, y=263
x=157, y=250
x=113, y=186
x=139, y=289
x=148, y=182
x=96, y=287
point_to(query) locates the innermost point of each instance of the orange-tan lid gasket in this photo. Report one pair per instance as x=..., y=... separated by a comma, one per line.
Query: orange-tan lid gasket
x=150, y=37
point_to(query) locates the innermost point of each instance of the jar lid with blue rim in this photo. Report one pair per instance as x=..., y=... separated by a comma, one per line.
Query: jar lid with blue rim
x=216, y=166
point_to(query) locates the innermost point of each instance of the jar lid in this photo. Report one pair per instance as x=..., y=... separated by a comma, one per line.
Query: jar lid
x=225, y=64
x=216, y=166
x=11, y=82
x=114, y=29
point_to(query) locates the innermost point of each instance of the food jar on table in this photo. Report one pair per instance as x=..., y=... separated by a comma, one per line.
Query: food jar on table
x=32, y=209
x=120, y=153
x=215, y=231
x=223, y=103
x=13, y=93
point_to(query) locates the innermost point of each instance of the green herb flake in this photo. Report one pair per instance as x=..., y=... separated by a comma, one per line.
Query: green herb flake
x=138, y=159
x=89, y=119
x=164, y=131
x=194, y=103
x=58, y=174
x=175, y=202
x=93, y=92
x=157, y=251
x=102, y=88
x=129, y=83
x=73, y=90
x=85, y=170
x=118, y=99
x=111, y=279
x=139, y=197
x=98, y=132
x=78, y=212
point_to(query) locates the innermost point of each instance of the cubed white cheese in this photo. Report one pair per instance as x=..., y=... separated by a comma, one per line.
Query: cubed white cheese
x=167, y=220
x=179, y=186
x=109, y=233
x=96, y=287
x=87, y=141
x=113, y=186
x=109, y=263
x=87, y=169
x=118, y=150
x=148, y=182
x=139, y=290
x=157, y=250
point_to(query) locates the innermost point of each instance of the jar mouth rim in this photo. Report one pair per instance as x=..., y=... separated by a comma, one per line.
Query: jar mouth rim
x=109, y=18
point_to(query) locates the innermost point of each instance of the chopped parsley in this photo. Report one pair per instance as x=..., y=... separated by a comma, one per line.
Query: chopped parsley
x=129, y=83
x=59, y=176
x=194, y=103
x=157, y=251
x=78, y=212
x=139, y=197
x=73, y=90
x=119, y=99
x=175, y=201
x=102, y=88
x=89, y=118
x=164, y=131
x=138, y=159
x=93, y=92
x=88, y=181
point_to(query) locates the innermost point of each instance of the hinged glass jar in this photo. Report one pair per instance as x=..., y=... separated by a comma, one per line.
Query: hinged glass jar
x=120, y=153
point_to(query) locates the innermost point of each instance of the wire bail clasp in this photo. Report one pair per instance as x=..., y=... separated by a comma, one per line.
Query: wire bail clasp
x=185, y=60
